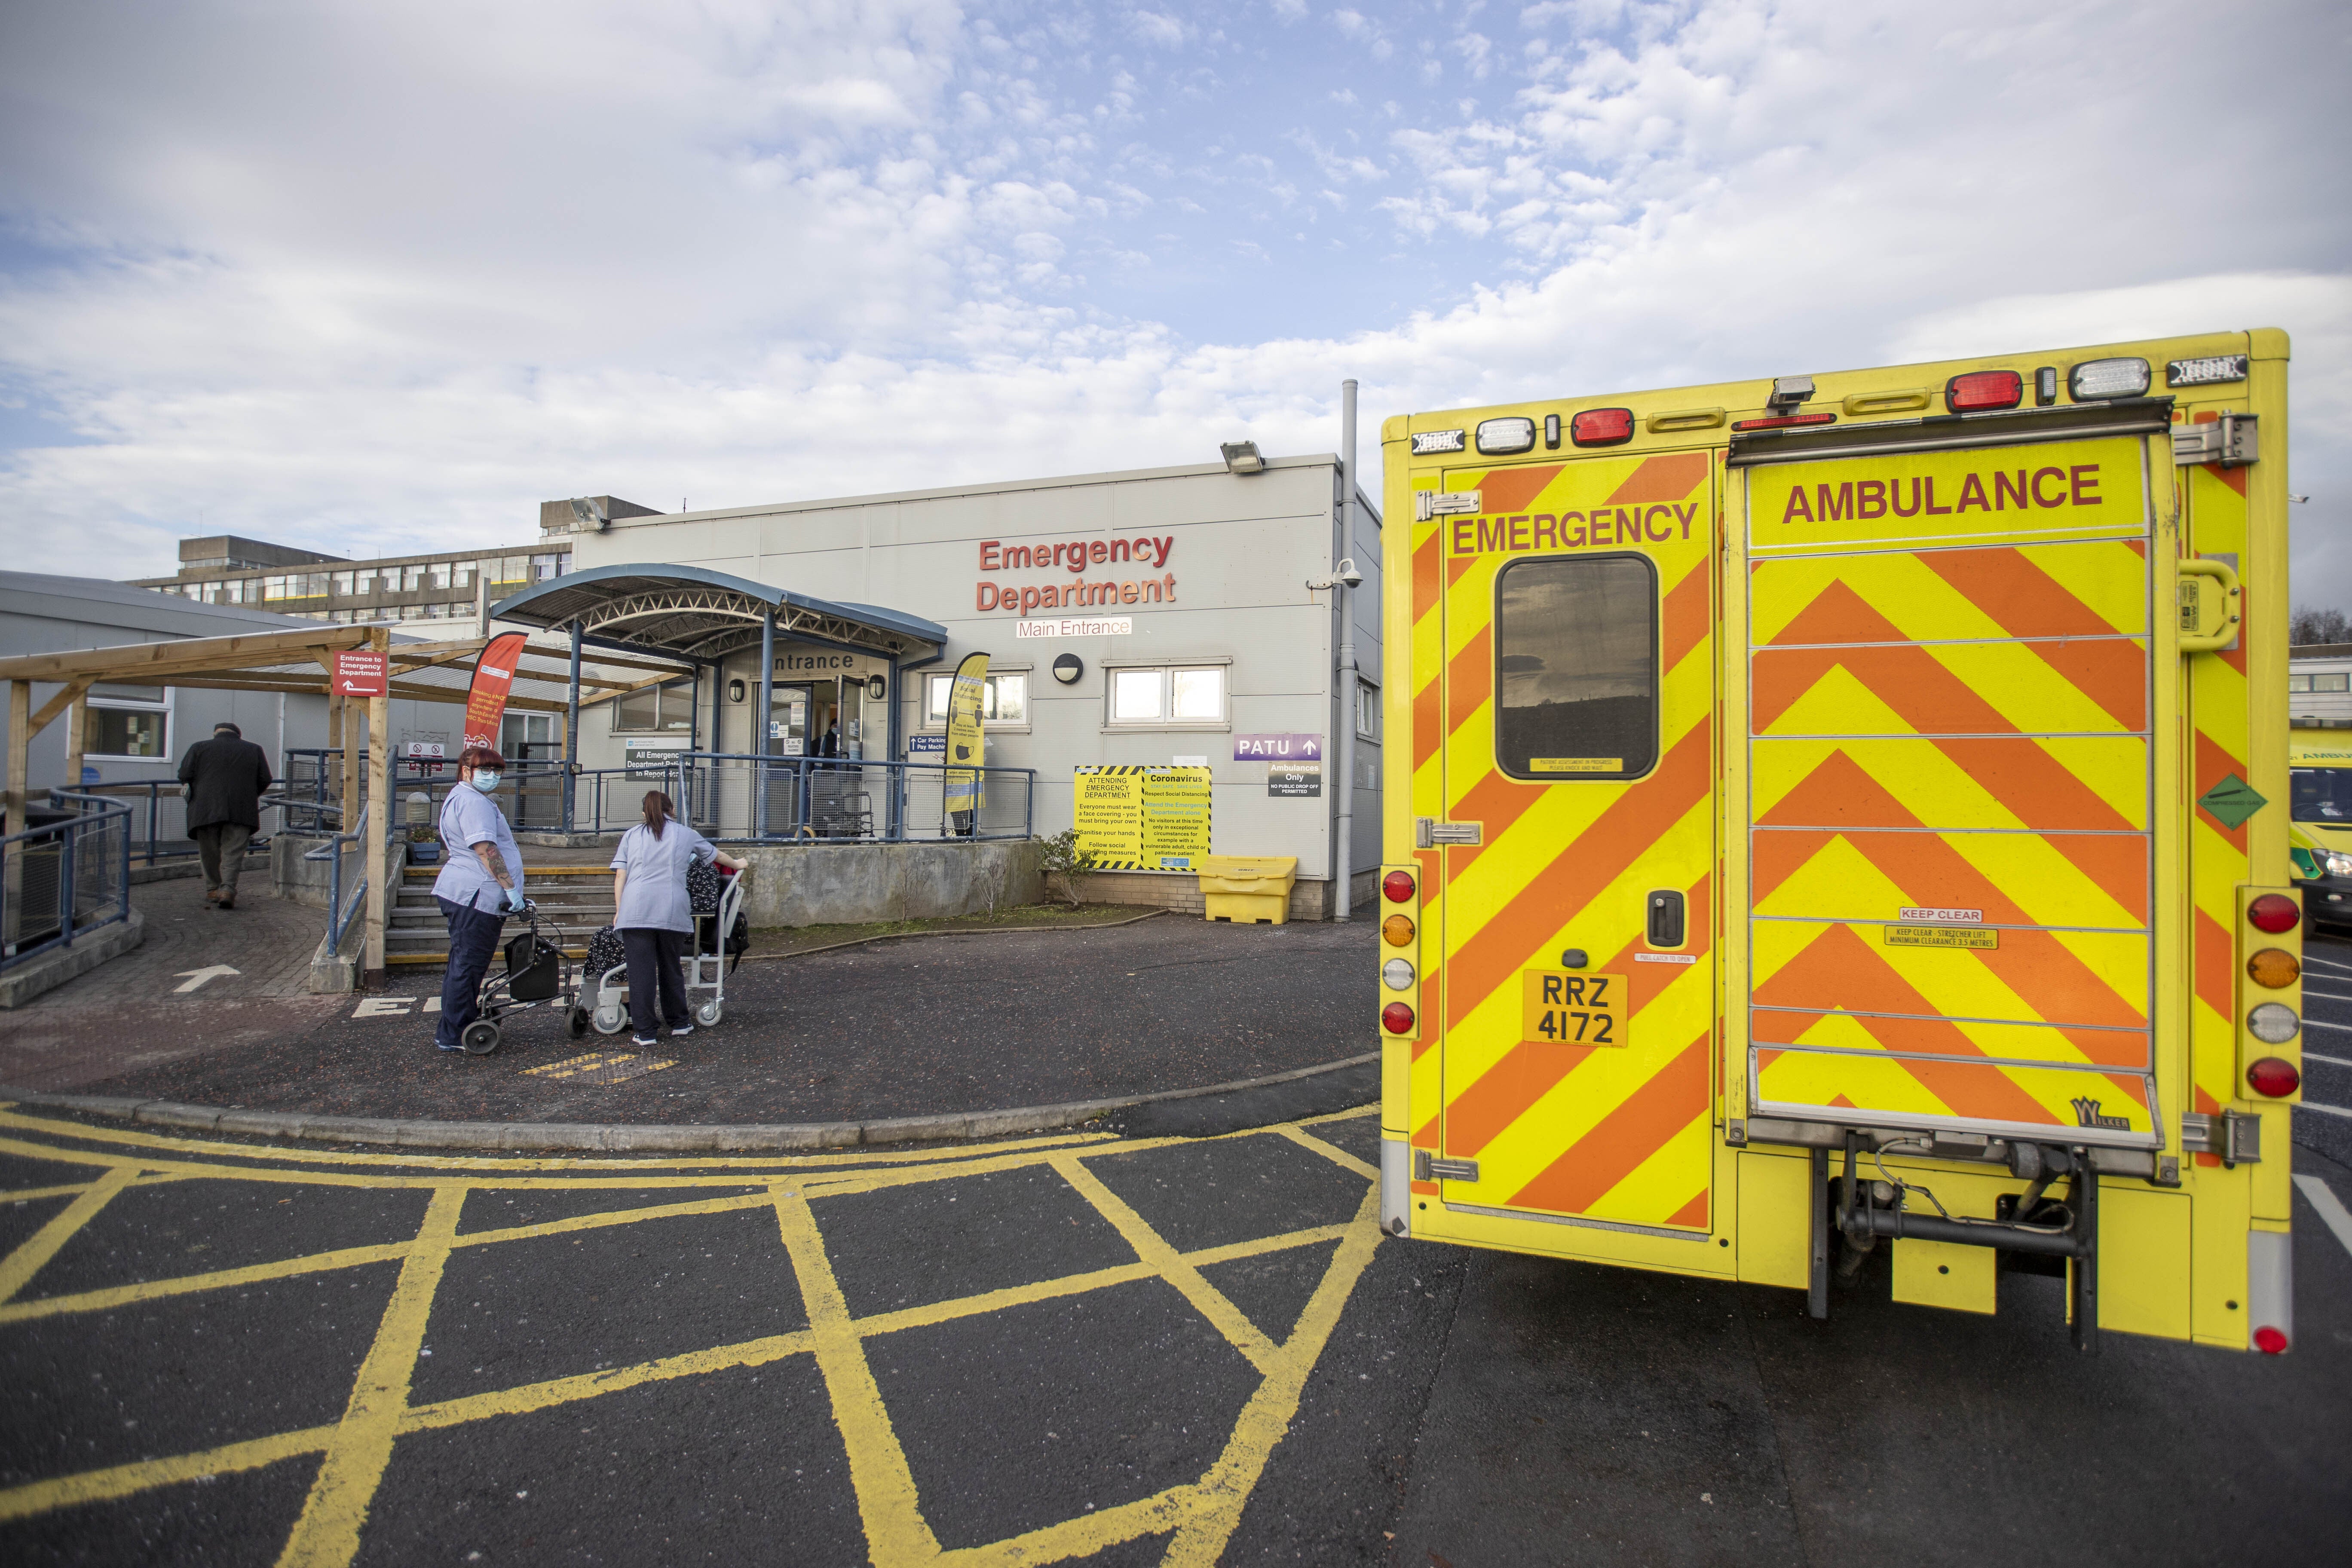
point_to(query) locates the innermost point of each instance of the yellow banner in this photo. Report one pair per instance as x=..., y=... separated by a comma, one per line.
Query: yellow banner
x=965, y=744
x=2047, y=487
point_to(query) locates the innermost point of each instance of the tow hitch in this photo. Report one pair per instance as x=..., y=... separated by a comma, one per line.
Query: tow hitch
x=2032, y=1224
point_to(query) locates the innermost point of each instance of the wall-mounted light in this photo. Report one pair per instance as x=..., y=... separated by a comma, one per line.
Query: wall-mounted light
x=877, y=687
x=1068, y=667
x=735, y=691
x=1243, y=457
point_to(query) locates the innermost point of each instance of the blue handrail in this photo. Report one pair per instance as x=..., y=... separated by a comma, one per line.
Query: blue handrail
x=339, y=915
x=816, y=796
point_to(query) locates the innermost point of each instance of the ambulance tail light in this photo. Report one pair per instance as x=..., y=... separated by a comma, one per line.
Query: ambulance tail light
x=2269, y=1340
x=2273, y=912
x=2273, y=1078
x=1980, y=390
x=1396, y=931
x=1602, y=426
x=2098, y=378
x=1396, y=1018
x=1782, y=421
x=1400, y=952
x=1397, y=886
x=2273, y=968
x=1397, y=975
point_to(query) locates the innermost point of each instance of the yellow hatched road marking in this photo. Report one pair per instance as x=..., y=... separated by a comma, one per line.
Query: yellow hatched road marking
x=16, y=1271
x=879, y=1471
x=358, y=1448
x=1165, y=1260
x=328, y=1532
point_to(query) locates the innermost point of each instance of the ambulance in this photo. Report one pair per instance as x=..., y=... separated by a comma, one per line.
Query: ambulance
x=1840, y=834
x=2319, y=774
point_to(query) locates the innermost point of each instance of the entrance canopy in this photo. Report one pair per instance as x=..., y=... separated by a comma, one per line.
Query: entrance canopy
x=690, y=612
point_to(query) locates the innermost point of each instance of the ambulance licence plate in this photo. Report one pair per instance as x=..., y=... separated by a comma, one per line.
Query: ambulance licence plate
x=1573, y=1009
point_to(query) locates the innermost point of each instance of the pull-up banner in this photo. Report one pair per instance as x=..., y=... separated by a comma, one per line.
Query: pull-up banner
x=964, y=744
x=494, y=673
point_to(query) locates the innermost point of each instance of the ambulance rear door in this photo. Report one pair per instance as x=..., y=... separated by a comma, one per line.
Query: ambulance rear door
x=1577, y=985
x=1951, y=773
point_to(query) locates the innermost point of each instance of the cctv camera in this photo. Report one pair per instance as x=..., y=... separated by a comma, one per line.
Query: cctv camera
x=1351, y=577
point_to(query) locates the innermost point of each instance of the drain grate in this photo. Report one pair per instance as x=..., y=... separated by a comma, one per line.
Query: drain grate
x=605, y=1068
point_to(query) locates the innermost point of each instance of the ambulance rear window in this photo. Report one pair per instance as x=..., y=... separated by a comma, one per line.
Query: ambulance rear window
x=1576, y=686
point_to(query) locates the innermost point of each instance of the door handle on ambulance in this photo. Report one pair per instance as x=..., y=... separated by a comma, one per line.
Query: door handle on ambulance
x=2188, y=598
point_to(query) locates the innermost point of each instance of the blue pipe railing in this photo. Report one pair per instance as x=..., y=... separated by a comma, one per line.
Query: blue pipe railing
x=340, y=914
x=65, y=850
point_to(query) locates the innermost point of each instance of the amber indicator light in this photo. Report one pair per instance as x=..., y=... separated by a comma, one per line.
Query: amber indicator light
x=1396, y=931
x=2273, y=967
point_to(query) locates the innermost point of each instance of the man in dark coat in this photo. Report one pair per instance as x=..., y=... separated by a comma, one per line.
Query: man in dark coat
x=226, y=777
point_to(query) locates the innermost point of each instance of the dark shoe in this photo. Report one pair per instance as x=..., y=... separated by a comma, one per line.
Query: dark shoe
x=641, y=1040
x=685, y=1028
x=453, y=1050
x=229, y=903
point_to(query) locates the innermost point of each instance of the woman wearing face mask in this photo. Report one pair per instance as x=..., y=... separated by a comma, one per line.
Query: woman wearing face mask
x=479, y=885
x=654, y=915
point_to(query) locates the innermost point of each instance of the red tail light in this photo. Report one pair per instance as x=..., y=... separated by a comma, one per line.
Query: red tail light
x=1398, y=886
x=1982, y=389
x=2269, y=1340
x=1602, y=426
x=2273, y=912
x=1782, y=421
x=2273, y=1077
x=1396, y=1017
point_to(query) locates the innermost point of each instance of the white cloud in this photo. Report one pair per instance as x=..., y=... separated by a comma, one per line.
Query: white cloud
x=340, y=283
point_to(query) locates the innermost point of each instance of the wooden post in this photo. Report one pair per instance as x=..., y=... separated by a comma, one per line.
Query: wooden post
x=380, y=825
x=20, y=772
x=76, y=717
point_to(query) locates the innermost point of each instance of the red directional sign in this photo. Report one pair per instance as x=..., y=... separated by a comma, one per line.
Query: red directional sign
x=362, y=672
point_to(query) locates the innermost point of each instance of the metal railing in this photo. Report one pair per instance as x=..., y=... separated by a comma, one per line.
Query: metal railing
x=531, y=794
x=339, y=914
x=839, y=800
x=64, y=879
x=158, y=828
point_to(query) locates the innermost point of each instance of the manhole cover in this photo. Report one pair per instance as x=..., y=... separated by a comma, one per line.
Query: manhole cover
x=601, y=1067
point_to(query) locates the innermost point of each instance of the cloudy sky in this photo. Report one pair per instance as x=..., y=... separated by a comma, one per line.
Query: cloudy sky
x=382, y=278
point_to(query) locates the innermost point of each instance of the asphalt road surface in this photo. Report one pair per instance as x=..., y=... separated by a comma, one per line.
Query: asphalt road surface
x=1076, y=1348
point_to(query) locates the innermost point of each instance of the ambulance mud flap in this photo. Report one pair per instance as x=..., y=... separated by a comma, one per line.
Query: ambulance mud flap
x=1863, y=1223
x=1396, y=1189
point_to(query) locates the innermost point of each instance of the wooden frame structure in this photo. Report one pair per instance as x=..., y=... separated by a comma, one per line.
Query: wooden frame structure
x=298, y=661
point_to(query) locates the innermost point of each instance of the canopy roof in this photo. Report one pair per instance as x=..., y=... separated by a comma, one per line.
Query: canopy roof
x=689, y=612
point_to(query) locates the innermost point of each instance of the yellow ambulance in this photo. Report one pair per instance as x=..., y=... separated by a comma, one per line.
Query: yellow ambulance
x=1844, y=815
x=2319, y=771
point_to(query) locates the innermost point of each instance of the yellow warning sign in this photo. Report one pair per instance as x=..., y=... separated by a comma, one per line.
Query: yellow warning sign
x=1142, y=818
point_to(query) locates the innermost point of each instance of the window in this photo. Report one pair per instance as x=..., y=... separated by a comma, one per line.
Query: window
x=1368, y=711
x=2322, y=794
x=2339, y=681
x=2298, y=683
x=553, y=563
x=1183, y=696
x=294, y=585
x=1575, y=668
x=127, y=721
x=667, y=707
x=1004, y=699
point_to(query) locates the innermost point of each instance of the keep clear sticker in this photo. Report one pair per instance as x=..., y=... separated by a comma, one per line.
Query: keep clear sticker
x=1573, y=1009
x=1941, y=936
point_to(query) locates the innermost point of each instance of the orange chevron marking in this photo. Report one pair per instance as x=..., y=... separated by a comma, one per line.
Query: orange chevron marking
x=1425, y=576
x=2217, y=967
x=2020, y=597
x=1470, y=678
x=1839, y=789
x=1668, y=478
x=1508, y=489
x=1457, y=566
x=1692, y=1215
x=1616, y=1146
x=2035, y=787
x=1907, y=678
x=1977, y=1091
x=2215, y=763
x=1927, y=1037
x=1505, y=1091
x=1588, y=863
x=1428, y=726
x=1686, y=618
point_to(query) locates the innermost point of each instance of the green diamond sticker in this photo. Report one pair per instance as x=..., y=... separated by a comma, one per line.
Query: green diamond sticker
x=2231, y=801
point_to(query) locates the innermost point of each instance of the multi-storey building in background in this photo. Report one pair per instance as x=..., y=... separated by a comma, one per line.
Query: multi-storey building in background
x=456, y=584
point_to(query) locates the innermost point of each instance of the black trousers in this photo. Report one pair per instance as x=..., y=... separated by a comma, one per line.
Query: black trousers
x=473, y=939
x=654, y=973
